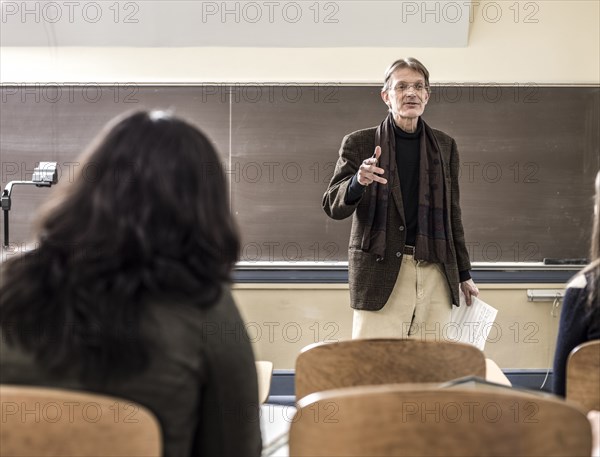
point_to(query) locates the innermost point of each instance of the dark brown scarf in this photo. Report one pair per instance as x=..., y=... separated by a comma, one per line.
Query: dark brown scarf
x=432, y=234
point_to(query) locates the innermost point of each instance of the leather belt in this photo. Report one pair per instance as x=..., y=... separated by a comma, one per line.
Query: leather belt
x=408, y=250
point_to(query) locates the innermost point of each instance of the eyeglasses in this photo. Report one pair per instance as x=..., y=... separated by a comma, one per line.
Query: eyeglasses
x=402, y=87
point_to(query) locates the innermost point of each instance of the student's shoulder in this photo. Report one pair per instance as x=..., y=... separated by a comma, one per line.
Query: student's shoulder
x=576, y=293
x=578, y=282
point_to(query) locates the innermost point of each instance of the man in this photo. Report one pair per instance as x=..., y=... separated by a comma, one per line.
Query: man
x=407, y=253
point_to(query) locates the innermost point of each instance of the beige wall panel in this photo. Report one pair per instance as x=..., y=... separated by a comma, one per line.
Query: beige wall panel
x=524, y=334
x=282, y=319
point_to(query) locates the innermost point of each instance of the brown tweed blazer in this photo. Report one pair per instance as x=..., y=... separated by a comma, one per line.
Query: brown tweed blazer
x=371, y=282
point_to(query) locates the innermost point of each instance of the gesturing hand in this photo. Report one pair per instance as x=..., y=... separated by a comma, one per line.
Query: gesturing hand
x=369, y=171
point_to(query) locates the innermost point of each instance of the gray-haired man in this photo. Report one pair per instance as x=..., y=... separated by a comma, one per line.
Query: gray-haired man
x=407, y=256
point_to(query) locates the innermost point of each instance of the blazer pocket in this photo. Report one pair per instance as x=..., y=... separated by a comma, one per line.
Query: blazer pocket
x=359, y=258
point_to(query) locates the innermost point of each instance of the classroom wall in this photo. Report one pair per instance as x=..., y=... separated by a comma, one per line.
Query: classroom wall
x=544, y=41
x=281, y=319
x=550, y=42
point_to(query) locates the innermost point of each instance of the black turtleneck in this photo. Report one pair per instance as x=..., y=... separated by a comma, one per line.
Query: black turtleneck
x=407, y=163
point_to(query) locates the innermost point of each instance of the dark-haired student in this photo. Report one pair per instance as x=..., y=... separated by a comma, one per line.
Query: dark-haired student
x=126, y=292
x=580, y=316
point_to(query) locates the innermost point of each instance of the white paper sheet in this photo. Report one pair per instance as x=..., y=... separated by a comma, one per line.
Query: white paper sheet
x=471, y=324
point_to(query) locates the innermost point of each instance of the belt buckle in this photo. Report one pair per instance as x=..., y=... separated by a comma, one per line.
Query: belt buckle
x=409, y=250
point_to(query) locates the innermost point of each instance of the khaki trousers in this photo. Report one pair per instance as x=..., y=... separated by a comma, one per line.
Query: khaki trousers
x=419, y=306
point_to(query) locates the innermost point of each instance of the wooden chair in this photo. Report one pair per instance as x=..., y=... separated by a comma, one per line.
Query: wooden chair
x=324, y=366
x=54, y=422
x=410, y=420
x=264, y=371
x=583, y=375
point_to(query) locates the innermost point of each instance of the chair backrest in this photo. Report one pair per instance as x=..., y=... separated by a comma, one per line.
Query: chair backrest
x=55, y=422
x=583, y=375
x=264, y=370
x=324, y=366
x=404, y=420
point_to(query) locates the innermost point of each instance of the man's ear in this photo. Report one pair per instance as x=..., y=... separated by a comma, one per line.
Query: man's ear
x=385, y=96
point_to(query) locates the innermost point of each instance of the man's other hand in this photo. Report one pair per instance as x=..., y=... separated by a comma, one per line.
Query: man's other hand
x=469, y=289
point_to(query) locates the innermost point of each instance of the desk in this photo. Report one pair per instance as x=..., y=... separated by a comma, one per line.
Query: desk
x=493, y=373
x=275, y=421
x=594, y=418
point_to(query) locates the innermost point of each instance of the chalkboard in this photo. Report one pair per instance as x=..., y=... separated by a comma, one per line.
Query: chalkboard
x=528, y=154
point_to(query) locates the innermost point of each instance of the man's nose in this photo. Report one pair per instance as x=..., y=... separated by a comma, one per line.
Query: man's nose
x=410, y=90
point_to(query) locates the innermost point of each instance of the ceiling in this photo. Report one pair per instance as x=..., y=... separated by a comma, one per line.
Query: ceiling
x=146, y=23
